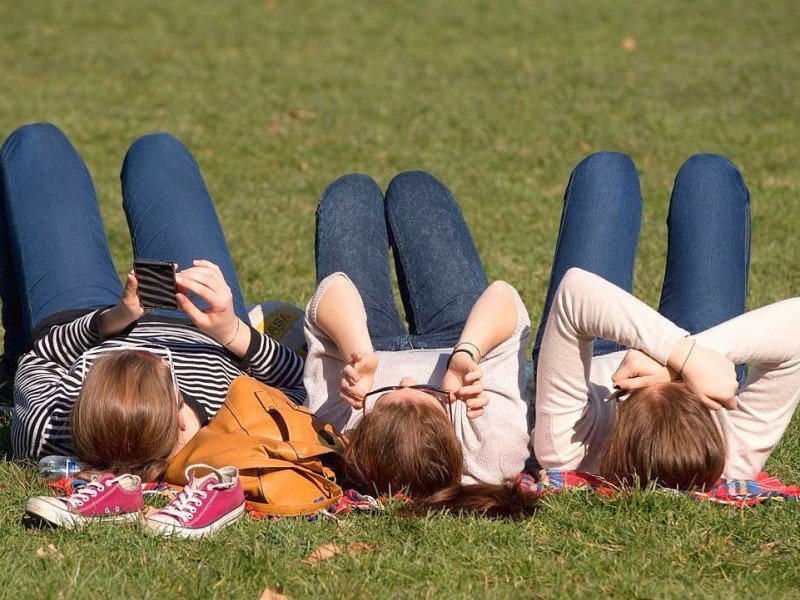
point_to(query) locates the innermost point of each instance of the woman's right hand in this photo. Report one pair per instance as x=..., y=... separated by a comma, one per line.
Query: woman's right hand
x=357, y=377
x=639, y=370
x=708, y=374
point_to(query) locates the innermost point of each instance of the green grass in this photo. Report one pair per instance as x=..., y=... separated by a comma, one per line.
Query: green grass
x=498, y=99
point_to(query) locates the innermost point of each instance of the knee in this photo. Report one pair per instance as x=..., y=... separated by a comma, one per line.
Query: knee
x=604, y=164
x=407, y=181
x=155, y=148
x=353, y=188
x=412, y=179
x=411, y=188
x=709, y=167
x=33, y=139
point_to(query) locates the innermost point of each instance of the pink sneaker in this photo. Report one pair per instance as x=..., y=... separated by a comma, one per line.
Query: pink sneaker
x=205, y=505
x=106, y=497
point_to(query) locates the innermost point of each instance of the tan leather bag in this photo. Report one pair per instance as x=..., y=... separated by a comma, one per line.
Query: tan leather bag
x=284, y=453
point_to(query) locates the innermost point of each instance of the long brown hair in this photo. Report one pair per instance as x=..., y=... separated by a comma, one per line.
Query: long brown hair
x=126, y=416
x=410, y=447
x=664, y=434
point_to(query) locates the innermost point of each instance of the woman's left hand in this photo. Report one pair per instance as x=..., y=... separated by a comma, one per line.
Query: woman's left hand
x=357, y=378
x=205, y=279
x=125, y=312
x=466, y=378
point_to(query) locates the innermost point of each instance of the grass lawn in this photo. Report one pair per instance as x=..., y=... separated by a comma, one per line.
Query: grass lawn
x=498, y=99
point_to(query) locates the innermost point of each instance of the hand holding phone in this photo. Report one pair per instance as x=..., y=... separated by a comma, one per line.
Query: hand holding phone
x=156, y=283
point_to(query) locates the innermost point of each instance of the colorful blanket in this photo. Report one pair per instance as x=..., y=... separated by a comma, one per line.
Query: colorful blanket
x=740, y=492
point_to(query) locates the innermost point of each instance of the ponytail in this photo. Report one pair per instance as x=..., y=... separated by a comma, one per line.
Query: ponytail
x=498, y=501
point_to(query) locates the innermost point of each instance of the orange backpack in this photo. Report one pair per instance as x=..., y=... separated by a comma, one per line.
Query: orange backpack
x=285, y=455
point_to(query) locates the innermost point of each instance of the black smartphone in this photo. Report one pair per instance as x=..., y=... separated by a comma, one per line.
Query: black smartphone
x=156, y=283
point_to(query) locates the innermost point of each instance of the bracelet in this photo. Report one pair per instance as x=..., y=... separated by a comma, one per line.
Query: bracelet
x=480, y=354
x=456, y=351
x=685, y=360
x=234, y=334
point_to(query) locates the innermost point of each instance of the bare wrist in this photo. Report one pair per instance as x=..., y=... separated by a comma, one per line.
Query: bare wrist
x=115, y=319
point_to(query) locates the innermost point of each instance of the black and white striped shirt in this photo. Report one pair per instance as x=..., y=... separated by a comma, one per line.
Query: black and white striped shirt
x=47, y=382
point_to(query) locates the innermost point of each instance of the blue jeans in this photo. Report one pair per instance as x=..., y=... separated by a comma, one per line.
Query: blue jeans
x=439, y=272
x=54, y=256
x=708, y=244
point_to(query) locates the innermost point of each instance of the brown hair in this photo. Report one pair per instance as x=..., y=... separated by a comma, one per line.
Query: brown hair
x=126, y=416
x=664, y=434
x=410, y=447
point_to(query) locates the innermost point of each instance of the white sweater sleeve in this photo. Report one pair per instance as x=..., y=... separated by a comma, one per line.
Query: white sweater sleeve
x=766, y=338
x=570, y=432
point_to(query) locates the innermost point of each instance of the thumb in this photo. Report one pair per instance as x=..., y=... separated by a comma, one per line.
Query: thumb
x=624, y=371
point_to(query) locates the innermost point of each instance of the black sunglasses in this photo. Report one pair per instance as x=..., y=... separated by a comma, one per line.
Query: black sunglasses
x=442, y=395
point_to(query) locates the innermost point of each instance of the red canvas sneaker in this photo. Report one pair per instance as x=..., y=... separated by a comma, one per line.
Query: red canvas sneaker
x=107, y=497
x=205, y=505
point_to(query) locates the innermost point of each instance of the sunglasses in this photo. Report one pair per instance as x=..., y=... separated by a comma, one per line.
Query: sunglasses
x=81, y=367
x=619, y=395
x=443, y=396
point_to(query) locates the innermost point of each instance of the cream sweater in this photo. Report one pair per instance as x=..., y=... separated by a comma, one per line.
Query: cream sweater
x=495, y=444
x=573, y=422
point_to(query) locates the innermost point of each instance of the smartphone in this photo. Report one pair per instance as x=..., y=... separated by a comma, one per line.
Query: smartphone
x=156, y=283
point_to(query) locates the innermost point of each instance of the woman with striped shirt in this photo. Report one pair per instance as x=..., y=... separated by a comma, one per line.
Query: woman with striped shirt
x=99, y=376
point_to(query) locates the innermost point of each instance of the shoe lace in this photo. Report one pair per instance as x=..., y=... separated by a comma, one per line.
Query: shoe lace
x=88, y=491
x=188, y=501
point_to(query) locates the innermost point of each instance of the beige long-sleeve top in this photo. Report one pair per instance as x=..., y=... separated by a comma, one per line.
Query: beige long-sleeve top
x=573, y=422
x=495, y=444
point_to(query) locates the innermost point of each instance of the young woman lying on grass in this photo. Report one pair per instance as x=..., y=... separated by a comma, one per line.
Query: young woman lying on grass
x=99, y=376
x=438, y=411
x=683, y=423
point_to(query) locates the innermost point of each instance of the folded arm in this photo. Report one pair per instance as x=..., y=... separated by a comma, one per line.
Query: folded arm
x=340, y=314
x=585, y=307
x=492, y=320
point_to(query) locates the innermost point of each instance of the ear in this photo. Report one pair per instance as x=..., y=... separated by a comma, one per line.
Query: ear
x=181, y=420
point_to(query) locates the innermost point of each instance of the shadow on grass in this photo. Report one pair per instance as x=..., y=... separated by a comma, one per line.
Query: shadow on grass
x=5, y=434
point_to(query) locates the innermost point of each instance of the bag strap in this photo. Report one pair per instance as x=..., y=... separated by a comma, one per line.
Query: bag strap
x=327, y=488
x=293, y=511
x=279, y=411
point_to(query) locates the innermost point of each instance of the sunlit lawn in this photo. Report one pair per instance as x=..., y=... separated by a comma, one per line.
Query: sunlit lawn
x=498, y=99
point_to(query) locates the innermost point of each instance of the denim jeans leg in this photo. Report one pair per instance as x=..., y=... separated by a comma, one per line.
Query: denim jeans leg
x=351, y=237
x=599, y=229
x=708, y=252
x=438, y=268
x=170, y=212
x=54, y=253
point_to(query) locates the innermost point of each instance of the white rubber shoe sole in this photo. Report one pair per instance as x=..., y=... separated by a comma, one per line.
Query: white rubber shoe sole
x=170, y=526
x=57, y=512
